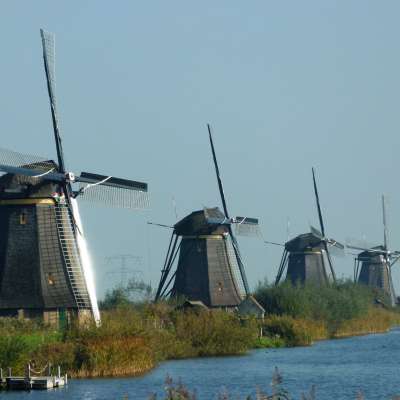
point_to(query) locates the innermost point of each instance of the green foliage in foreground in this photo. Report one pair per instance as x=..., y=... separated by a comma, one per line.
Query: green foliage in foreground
x=19, y=338
x=130, y=340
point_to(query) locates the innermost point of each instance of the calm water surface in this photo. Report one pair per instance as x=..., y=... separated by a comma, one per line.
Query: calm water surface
x=338, y=368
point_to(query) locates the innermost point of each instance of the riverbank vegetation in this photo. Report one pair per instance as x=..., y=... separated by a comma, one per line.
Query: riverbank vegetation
x=135, y=336
x=300, y=315
x=129, y=342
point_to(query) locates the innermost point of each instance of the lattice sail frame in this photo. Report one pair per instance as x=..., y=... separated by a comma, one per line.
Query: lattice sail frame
x=234, y=266
x=245, y=226
x=98, y=193
x=49, y=54
x=16, y=159
x=114, y=197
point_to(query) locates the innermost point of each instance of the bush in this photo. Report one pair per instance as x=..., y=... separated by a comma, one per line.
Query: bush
x=333, y=303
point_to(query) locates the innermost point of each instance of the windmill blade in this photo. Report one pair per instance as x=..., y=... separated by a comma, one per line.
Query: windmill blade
x=335, y=248
x=221, y=191
x=104, y=180
x=335, y=243
x=316, y=232
x=113, y=192
x=220, y=187
x=371, y=250
x=360, y=244
x=246, y=226
x=48, y=44
x=161, y=225
x=274, y=243
x=15, y=159
x=385, y=229
x=34, y=171
x=321, y=221
x=396, y=258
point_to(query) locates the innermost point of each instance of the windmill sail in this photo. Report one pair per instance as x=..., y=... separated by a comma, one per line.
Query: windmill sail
x=48, y=44
x=111, y=191
x=10, y=158
x=222, y=194
x=246, y=226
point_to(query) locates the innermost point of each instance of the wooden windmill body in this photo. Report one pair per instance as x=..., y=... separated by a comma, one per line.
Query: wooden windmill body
x=45, y=268
x=373, y=265
x=307, y=261
x=306, y=258
x=209, y=265
x=206, y=267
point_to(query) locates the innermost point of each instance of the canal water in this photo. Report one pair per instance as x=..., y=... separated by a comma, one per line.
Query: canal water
x=339, y=369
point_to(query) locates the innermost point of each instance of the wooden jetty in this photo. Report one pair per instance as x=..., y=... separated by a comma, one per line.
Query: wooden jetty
x=31, y=382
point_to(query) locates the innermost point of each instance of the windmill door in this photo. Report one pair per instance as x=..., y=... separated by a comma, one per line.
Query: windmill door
x=62, y=318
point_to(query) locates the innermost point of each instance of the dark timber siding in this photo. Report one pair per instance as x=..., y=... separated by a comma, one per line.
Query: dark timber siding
x=20, y=283
x=307, y=267
x=204, y=273
x=32, y=270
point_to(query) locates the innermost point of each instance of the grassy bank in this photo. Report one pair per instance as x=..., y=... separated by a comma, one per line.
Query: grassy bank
x=129, y=341
x=133, y=338
x=298, y=316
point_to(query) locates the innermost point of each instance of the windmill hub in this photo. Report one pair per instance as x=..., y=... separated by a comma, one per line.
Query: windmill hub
x=70, y=177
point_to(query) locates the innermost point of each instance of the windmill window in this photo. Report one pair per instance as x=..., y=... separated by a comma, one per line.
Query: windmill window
x=219, y=286
x=50, y=280
x=23, y=218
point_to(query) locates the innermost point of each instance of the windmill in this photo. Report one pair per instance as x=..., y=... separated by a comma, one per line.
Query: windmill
x=45, y=268
x=307, y=257
x=373, y=265
x=209, y=267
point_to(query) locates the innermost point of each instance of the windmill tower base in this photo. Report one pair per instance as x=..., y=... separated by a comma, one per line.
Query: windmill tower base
x=307, y=268
x=205, y=272
x=57, y=318
x=34, y=282
x=375, y=272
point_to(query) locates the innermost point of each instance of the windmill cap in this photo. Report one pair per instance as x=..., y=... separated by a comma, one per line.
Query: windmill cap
x=202, y=222
x=302, y=242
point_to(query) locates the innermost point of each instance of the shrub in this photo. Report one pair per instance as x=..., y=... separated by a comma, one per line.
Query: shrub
x=333, y=303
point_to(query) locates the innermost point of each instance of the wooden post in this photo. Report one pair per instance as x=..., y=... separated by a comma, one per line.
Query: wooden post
x=28, y=371
x=49, y=369
x=9, y=372
x=1, y=374
x=59, y=371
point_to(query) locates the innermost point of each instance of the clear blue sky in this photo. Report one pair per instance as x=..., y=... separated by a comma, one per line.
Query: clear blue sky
x=286, y=86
